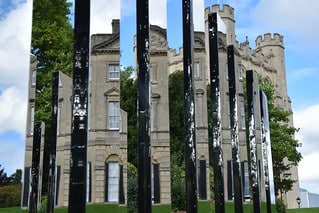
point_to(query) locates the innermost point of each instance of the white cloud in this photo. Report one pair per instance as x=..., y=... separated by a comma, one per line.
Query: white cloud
x=308, y=173
x=158, y=12
x=13, y=108
x=307, y=120
x=14, y=67
x=102, y=13
x=198, y=15
x=293, y=19
x=15, y=46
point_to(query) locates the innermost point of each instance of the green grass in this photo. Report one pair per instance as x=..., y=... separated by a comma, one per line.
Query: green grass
x=308, y=210
x=203, y=207
x=94, y=208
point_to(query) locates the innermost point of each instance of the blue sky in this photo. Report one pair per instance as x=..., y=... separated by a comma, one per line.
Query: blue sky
x=296, y=20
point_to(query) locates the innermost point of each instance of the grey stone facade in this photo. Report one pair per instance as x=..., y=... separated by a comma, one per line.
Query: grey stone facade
x=107, y=148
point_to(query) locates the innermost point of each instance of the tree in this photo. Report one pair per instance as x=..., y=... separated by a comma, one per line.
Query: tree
x=128, y=103
x=283, y=144
x=176, y=120
x=52, y=44
x=16, y=177
x=3, y=177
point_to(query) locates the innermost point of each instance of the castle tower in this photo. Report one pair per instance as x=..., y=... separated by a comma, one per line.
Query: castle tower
x=228, y=16
x=272, y=49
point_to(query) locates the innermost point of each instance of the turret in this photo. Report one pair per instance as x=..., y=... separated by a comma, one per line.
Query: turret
x=268, y=40
x=227, y=14
x=272, y=47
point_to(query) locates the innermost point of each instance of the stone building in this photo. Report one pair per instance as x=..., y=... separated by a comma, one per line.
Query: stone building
x=28, y=173
x=107, y=146
x=267, y=59
x=107, y=149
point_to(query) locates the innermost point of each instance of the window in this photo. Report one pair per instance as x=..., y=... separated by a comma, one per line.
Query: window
x=228, y=112
x=26, y=186
x=230, y=185
x=240, y=72
x=112, y=172
x=57, y=186
x=31, y=120
x=155, y=183
x=242, y=115
x=114, y=115
x=114, y=72
x=202, y=180
x=34, y=78
x=58, y=121
x=197, y=70
x=245, y=179
x=89, y=182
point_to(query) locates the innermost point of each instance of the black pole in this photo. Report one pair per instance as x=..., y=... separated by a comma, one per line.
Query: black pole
x=215, y=151
x=144, y=149
x=234, y=130
x=189, y=108
x=264, y=116
x=78, y=164
x=36, y=152
x=252, y=93
x=52, y=143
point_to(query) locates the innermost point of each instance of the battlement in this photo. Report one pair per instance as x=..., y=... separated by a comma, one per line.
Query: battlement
x=268, y=39
x=225, y=11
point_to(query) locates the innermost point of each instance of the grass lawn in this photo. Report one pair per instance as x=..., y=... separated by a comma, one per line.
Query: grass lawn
x=308, y=210
x=203, y=207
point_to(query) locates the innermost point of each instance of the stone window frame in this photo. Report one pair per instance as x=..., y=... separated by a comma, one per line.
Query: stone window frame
x=112, y=95
x=114, y=158
x=115, y=72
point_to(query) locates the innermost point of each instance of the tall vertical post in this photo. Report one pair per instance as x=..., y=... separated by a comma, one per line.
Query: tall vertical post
x=79, y=135
x=52, y=143
x=252, y=93
x=35, y=170
x=234, y=130
x=189, y=108
x=215, y=151
x=144, y=131
x=266, y=152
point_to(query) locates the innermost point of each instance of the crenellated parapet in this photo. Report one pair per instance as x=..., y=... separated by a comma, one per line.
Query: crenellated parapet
x=269, y=40
x=227, y=25
x=225, y=11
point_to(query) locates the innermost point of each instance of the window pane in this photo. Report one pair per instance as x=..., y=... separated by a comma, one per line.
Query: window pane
x=31, y=120
x=242, y=114
x=113, y=181
x=114, y=115
x=34, y=78
x=114, y=71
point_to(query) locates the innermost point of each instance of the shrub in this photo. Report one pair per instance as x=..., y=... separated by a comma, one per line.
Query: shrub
x=10, y=196
x=280, y=206
x=132, y=189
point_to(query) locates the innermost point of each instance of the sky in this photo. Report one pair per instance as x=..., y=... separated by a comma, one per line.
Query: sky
x=296, y=20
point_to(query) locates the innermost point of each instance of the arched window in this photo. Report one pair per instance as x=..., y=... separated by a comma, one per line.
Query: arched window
x=114, y=191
